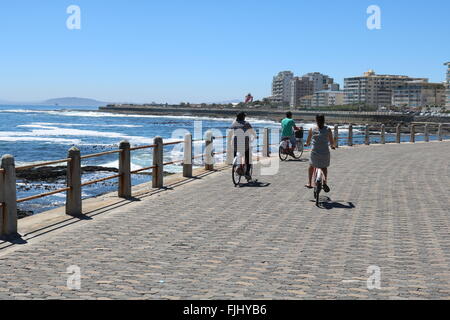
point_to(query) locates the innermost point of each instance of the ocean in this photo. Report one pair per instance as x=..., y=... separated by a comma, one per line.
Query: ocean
x=44, y=133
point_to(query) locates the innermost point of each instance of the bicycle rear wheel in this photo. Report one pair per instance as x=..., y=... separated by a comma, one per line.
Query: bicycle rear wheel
x=298, y=151
x=317, y=190
x=236, y=176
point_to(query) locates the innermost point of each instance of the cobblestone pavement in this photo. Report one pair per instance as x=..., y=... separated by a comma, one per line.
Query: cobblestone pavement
x=388, y=207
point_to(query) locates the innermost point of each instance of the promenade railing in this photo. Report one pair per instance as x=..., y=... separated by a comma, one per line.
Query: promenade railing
x=74, y=184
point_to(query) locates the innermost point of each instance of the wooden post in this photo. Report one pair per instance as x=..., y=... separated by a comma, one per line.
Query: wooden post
x=230, y=147
x=73, y=196
x=440, y=132
x=350, y=135
x=367, y=135
x=336, y=136
x=8, y=224
x=398, y=134
x=383, y=134
x=426, y=133
x=158, y=160
x=266, y=148
x=412, y=138
x=125, y=170
x=187, y=163
x=209, y=149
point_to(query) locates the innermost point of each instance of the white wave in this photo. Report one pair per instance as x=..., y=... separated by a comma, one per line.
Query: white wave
x=40, y=139
x=95, y=114
x=82, y=125
x=49, y=131
x=115, y=164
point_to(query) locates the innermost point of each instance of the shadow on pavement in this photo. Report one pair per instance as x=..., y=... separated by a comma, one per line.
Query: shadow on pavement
x=297, y=160
x=256, y=184
x=13, y=239
x=329, y=205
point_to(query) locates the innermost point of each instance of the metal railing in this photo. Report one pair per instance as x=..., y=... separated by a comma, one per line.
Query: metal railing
x=74, y=185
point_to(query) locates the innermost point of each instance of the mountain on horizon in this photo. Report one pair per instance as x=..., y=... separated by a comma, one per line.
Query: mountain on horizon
x=64, y=102
x=74, y=101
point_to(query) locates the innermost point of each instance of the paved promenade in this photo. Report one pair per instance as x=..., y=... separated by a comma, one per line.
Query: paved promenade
x=389, y=207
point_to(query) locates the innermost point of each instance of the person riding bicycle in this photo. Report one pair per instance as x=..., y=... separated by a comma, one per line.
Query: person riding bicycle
x=287, y=130
x=320, y=137
x=243, y=131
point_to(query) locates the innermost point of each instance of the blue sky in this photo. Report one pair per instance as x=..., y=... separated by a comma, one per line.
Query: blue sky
x=172, y=51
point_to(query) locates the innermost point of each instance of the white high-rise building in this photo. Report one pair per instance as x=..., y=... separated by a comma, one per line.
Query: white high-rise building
x=281, y=87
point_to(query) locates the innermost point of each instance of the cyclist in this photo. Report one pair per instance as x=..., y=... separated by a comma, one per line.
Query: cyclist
x=320, y=137
x=243, y=131
x=287, y=130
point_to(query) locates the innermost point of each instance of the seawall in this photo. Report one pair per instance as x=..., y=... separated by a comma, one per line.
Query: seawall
x=275, y=114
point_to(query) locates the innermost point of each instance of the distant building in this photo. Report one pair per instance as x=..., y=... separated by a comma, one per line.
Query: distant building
x=417, y=94
x=281, y=87
x=372, y=89
x=306, y=101
x=321, y=81
x=327, y=98
x=447, y=83
x=300, y=87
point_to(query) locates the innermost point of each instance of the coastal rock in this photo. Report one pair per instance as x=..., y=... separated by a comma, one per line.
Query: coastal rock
x=51, y=174
x=23, y=213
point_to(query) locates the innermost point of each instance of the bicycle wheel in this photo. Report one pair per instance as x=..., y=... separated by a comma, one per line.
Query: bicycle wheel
x=235, y=175
x=317, y=190
x=283, y=156
x=298, y=151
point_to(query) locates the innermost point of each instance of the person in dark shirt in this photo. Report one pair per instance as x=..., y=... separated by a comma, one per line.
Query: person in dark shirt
x=243, y=130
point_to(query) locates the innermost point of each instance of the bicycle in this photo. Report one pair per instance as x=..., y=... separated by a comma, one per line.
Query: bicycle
x=286, y=149
x=239, y=169
x=318, y=177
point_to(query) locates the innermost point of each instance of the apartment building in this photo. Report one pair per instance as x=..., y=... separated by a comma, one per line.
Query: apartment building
x=447, y=84
x=417, y=94
x=322, y=81
x=372, y=89
x=300, y=87
x=281, y=87
x=306, y=101
x=327, y=98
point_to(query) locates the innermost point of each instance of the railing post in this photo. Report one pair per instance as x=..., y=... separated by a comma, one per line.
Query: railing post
x=350, y=135
x=209, y=146
x=440, y=132
x=383, y=134
x=426, y=133
x=8, y=223
x=266, y=148
x=412, y=138
x=336, y=135
x=124, y=170
x=158, y=162
x=398, y=134
x=230, y=154
x=187, y=162
x=73, y=196
x=367, y=138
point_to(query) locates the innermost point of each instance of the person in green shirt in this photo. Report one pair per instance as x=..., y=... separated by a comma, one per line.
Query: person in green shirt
x=287, y=129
